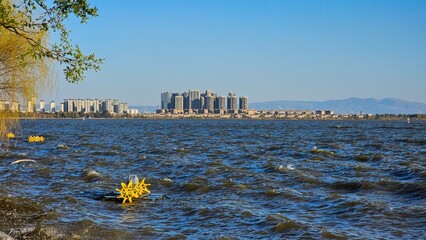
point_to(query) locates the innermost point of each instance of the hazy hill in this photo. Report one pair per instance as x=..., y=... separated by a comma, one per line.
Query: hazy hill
x=350, y=105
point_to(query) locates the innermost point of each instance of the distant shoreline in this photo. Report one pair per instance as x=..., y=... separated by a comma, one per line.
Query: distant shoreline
x=388, y=117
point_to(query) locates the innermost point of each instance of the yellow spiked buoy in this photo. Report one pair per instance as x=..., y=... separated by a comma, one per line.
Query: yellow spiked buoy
x=10, y=135
x=35, y=139
x=130, y=191
x=127, y=192
x=141, y=187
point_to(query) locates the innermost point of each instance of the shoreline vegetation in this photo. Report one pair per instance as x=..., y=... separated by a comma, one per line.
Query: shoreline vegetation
x=266, y=115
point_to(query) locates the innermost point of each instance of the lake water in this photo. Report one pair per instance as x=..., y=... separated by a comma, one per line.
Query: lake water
x=229, y=179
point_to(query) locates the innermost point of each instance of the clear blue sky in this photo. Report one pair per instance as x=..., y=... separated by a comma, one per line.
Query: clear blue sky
x=263, y=49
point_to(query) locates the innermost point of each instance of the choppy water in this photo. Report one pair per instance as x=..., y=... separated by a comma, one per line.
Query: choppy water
x=229, y=179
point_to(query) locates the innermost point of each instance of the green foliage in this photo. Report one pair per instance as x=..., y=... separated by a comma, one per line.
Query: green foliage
x=47, y=16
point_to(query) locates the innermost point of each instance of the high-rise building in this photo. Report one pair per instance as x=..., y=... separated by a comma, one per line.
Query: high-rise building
x=172, y=100
x=42, y=106
x=178, y=107
x=166, y=100
x=68, y=105
x=96, y=105
x=116, y=105
x=83, y=105
x=16, y=106
x=78, y=105
x=64, y=108
x=120, y=108
x=208, y=93
x=202, y=102
x=52, y=106
x=125, y=108
x=209, y=103
x=220, y=103
x=243, y=103
x=88, y=106
x=194, y=99
x=8, y=105
x=232, y=102
x=186, y=102
x=31, y=106
x=107, y=106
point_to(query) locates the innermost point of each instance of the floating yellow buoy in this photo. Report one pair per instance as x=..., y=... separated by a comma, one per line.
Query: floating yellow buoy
x=142, y=188
x=35, y=139
x=129, y=191
x=10, y=135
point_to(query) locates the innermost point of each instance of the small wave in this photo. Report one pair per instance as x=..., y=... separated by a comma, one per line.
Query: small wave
x=307, y=178
x=91, y=175
x=329, y=235
x=107, y=153
x=412, y=190
x=26, y=216
x=62, y=146
x=181, y=150
x=367, y=157
x=198, y=184
x=340, y=127
x=272, y=192
x=362, y=168
x=252, y=156
x=389, y=127
x=282, y=223
x=247, y=214
x=409, y=189
x=317, y=158
x=421, y=142
x=315, y=150
x=405, y=173
x=19, y=205
x=7, y=154
x=166, y=182
x=362, y=158
x=289, y=167
x=87, y=229
x=274, y=148
x=351, y=186
x=116, y=147
x=147, y=230
x=155, y=151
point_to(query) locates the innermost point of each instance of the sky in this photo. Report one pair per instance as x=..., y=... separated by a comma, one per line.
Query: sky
x=263, y=49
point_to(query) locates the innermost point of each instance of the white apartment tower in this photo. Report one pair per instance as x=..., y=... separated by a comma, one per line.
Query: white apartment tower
x=52, y=107
x=42, y=106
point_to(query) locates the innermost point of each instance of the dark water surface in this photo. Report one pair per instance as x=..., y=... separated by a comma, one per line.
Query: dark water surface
x=228, y=179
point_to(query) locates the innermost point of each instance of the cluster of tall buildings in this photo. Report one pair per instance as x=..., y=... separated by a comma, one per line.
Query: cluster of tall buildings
x=10, y=105
x=71, y=105
x=94, y=105
x=194, y=101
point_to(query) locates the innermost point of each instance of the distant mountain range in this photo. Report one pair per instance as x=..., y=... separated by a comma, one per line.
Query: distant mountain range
x=350, y=105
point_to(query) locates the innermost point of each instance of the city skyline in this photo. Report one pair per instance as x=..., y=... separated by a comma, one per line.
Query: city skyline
x=270, y=50
x=193, y=101
x=69, y=105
